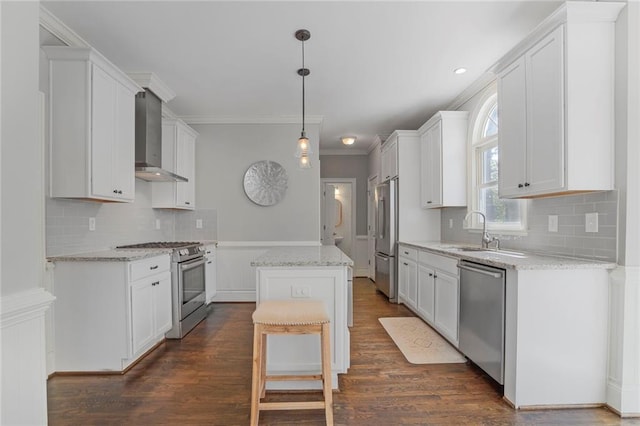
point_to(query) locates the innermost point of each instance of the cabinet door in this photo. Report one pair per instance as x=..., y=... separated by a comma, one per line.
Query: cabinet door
x=162, y=304
x=545, y=114
x=210, y=276
x=426, y=292
x=124, y=144
x=185, y=166
x=103, y=133
x=513, y=129
x=447, y=289
x=142, y=314
x=389, y=160
x=435, y=162
x=408, y=282
x=403, y=281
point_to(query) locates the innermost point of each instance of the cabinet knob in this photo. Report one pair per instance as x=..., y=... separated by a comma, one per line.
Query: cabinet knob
x=115, y=191
x=520, y=185
x=430, y=274
x=526, y=184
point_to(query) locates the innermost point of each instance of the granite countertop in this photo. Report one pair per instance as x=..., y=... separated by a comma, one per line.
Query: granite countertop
x=508, y=258
x=112, y=255
x=303, y=256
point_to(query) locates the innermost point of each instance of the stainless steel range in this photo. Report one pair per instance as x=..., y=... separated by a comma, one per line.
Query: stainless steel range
x=187, y=283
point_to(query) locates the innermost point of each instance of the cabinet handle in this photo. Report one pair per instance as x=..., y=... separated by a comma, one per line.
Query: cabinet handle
x=209, y=262
x=187, y=203
x=435, y=276
x=156, y=283
x=115, y=191
x=520, y=185
x=153, y=267
x=526, y=184
x=430, y=274
x=406, y=252
x=429, y=202
x=387, y=177
x=405, y=263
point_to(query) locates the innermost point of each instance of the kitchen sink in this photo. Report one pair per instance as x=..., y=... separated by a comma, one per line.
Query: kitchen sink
x=509, y=253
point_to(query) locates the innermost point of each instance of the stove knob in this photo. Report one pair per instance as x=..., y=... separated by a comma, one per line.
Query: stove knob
x=200, y=248
x=184, y=252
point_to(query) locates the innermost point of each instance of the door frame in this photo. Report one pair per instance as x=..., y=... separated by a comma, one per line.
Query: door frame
x=354, y=195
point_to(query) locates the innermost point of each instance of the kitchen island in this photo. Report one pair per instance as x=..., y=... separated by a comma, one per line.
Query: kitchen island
x=308, y=272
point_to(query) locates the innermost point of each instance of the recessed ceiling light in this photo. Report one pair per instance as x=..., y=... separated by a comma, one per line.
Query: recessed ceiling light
x=348, y=140
x=460, y=70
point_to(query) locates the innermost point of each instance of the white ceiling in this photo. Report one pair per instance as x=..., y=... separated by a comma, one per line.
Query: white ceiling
x=376, y=66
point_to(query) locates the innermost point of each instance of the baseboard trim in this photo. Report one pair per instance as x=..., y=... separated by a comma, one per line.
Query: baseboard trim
x=234, y=296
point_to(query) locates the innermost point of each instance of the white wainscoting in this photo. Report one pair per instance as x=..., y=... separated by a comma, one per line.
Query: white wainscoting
x=24, y=374
x=360, y=256
x=235, y=277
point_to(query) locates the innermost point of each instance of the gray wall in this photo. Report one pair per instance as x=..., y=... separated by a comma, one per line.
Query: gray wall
x=350, y=166
x=223, y=154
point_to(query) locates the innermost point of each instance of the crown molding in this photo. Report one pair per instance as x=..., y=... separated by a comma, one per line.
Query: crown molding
x=256, y=119
x=344, y=151
x=151, y=81
x=51, y=23
x=167, y=113
x=476, y=87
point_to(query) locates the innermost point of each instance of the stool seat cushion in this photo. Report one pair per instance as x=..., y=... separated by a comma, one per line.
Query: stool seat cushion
x=290, y=312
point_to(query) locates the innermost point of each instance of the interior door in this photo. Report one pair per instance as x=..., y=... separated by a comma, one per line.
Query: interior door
x=328, y=214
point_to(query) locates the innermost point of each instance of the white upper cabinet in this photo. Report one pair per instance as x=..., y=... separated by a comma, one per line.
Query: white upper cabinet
x=179, y=157
x=443, y=160
x=92, y=120
x=555, y=100
x=389, y=158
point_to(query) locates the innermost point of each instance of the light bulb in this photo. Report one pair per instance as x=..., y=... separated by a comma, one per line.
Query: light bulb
x=304, y=162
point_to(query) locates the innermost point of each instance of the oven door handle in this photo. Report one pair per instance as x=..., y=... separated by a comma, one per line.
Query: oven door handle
x=192, y=264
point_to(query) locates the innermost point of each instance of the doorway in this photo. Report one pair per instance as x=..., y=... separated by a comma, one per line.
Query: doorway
x=339, y=214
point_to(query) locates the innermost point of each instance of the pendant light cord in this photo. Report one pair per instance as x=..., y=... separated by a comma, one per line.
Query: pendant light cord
x=304, y=72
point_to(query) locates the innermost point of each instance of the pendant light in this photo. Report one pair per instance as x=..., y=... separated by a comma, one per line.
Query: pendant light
x=303, y=150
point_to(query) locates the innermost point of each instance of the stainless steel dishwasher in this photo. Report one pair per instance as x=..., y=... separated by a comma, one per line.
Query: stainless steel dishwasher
x=481, y=330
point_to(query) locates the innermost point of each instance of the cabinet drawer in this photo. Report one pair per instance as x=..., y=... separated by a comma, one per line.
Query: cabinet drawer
x=147, y=267
x=443, y=263
x=408, y=252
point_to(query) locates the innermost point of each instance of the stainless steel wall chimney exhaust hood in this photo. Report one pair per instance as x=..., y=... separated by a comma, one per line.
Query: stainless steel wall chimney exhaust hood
x=149, y=140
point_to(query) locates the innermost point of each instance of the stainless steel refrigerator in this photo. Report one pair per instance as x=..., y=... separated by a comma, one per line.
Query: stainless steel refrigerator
x=386, y=238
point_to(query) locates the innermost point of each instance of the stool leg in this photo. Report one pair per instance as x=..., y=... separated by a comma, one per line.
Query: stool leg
x=256, y=375
x=263, y=367
x=327, y=389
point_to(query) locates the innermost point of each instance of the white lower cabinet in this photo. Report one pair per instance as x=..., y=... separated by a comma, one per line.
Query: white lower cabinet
x=429, y=285
x=150, y=310
x=107, y=314
x=447, y=301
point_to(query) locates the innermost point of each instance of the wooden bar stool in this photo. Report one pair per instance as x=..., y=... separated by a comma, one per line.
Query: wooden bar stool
x=289, y=317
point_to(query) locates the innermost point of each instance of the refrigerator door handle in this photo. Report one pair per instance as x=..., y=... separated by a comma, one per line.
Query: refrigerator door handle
x=381, y=225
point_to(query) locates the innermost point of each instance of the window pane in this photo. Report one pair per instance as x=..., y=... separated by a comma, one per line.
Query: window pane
x=489, y=165
x=491, y=125
x=498, y=210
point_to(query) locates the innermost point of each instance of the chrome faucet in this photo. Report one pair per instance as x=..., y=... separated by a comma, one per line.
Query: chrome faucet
x=486, y=238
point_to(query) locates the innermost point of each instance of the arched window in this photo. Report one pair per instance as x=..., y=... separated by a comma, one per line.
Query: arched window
x=502, y=214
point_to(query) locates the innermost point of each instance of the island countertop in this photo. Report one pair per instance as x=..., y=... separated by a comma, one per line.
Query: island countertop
x=302, y=256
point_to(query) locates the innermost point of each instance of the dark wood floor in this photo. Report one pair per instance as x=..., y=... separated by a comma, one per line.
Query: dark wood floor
x=205, y=379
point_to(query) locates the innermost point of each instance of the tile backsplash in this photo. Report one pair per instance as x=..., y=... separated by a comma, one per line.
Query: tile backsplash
x=67, y=223
x=571, y=238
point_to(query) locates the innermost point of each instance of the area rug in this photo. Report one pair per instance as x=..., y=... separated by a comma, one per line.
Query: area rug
x=419, y=343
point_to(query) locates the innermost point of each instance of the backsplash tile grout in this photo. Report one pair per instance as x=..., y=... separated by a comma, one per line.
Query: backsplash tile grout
x=571, y=238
